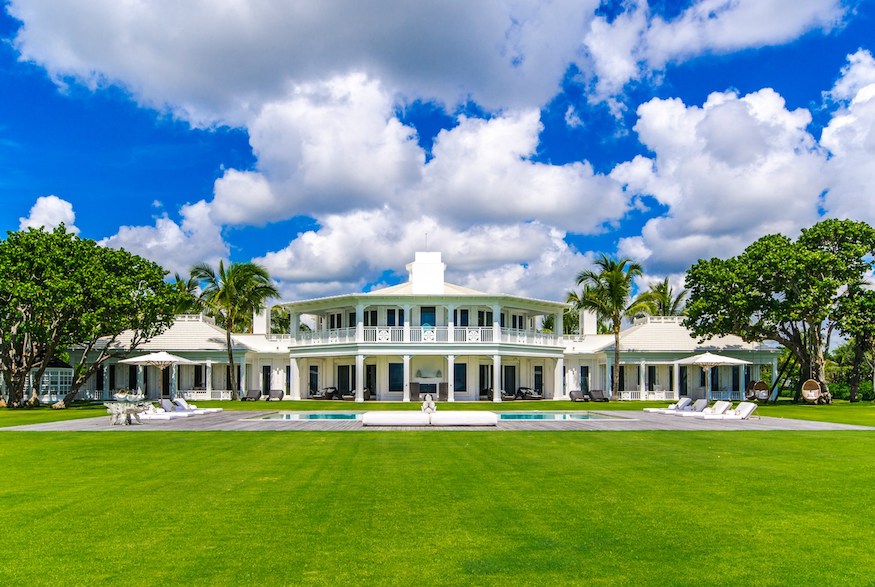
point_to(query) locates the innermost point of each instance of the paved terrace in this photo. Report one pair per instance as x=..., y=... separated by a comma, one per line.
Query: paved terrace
x=232, y=420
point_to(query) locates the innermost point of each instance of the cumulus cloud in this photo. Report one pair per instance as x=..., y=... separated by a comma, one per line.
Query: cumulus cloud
x=532, y=259
x=224, y=59
x=175, y=246
x=48, y=212
x=730, y=171
x=637, y=41
x=850, y=139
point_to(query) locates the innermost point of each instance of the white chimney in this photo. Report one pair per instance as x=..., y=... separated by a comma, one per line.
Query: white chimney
x=427, y=273
x=588, y=322
x=261, y=321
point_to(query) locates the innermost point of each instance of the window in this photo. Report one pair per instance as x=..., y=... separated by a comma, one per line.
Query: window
x=390, y=317
x=288, y=378
x=651, y=377
x=199, y=377
x=427, y=316
x=370, y=318
x=396, y=376
x=334, y=321
x=484, y=318
x=460, y=377
x=463, y=318
x=351, y=322
x=584, y=378
x=132, y=377
x=314, y=378
x=539, y=378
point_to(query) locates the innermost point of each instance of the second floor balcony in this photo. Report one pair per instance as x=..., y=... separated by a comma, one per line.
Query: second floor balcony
x=423, y=335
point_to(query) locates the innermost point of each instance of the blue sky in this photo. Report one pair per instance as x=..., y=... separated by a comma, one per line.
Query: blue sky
x=522, y=138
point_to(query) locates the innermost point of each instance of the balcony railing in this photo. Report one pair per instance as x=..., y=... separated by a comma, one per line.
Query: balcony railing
x=427, y=334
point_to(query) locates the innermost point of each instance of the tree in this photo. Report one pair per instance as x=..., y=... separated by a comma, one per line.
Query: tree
x=60, y=291
x=608, y=292
x=795, y=293
x=856, y=320
x=663, y=302
x=189, y=301
x=231, y=296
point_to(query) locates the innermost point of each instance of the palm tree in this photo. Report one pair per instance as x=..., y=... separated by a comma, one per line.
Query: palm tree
x=608, y=292
x=231, y=296
x=189, y=302
x=662, y=300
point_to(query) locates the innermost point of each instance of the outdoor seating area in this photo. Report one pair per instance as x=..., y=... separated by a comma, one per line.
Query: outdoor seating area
x=720, y=410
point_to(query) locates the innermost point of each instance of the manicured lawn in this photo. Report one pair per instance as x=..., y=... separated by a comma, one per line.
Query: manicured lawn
x=438, y=508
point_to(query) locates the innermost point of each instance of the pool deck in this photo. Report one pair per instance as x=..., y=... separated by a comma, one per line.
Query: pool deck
x=232, y=420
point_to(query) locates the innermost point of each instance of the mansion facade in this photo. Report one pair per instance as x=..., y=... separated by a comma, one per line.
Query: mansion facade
x=429, y=336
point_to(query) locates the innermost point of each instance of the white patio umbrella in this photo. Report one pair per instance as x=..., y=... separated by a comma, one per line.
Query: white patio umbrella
x=161, y=359
x=708, y=360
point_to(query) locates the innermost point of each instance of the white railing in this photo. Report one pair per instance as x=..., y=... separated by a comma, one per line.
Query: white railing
x=424, y=334
x=203, y=394
x=638, y=395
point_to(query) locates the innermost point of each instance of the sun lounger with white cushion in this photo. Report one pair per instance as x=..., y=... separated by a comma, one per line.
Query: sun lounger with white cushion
x=180, y=402
x=719, y=407
x=681, y=405
x=742, y=412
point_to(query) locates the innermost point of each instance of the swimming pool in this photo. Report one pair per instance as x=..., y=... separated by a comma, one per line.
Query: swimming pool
x=552, y=416
x=313, y=416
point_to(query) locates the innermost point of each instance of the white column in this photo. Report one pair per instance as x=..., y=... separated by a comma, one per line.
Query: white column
x=609, y=373
x=676, y=379
x=496, y=326
x=558, y=386
x=406, y=329
x=174, y=380
x=359, y=377
x=294, y=390
x=451, y=379
x=642, y=379
x=559, y=328
x=451, y=324
x=209, y=376
x=496, y=377
x=141, y=381
x=360, y=322
x=294, y=324
x=406, y=393
x=242, y=383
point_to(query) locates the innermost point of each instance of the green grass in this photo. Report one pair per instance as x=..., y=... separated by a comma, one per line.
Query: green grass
x=438, y=508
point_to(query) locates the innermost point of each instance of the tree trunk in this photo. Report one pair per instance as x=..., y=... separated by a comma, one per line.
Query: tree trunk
x=615, y=384
x=234, y=395
x=856, y=374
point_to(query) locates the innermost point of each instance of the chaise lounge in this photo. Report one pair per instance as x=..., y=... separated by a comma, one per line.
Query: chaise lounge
x=680, y=405
x=744, y=411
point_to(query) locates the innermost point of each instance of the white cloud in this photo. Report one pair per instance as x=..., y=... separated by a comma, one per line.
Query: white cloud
x=729, y=172
x=341, y=256
x=174, y=246
x=49, y=212
x=637, y=42
x=225, y=59
x=850, y=140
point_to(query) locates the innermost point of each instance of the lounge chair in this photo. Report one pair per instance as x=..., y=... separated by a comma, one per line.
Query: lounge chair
x=697, y=406
x=507, y=397
x=719, y=407
x=276, y=394
x=154, y=413
x=744, y=411
x=578, y=396
x=528, y=393
x=252, y=394
x=324, y=393
x=597, y=395
x=180, y=401
x=680, y=405
x=170, y=407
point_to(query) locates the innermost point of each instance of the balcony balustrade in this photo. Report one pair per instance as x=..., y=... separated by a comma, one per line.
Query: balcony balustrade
x=425, y=334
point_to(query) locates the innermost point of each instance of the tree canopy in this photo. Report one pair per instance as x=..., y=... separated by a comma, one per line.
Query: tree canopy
x=793, y=292
x=60, y=291
x=231, y=295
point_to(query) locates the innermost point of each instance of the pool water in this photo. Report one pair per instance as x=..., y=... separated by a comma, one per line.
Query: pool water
x=313, y=416
x=551, y=416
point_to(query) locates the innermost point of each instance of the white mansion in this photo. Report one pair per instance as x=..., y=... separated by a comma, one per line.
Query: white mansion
x=427, y=335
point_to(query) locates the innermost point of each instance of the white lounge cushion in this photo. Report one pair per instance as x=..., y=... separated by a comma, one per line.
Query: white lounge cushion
x=395, y=418
x=742, y=412
x=468, y=418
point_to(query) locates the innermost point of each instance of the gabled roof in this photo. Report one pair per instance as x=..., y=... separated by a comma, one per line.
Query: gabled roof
x=667, y=333
x=188, y=333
